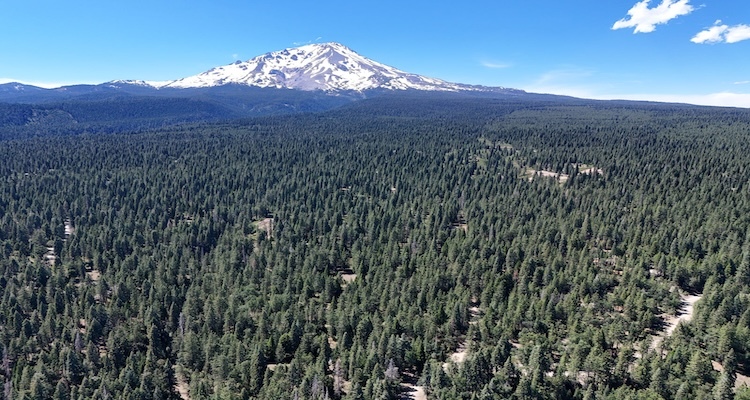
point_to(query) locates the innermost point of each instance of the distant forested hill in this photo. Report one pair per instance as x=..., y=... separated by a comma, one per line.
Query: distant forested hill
x=118, y=111
x=453, y=248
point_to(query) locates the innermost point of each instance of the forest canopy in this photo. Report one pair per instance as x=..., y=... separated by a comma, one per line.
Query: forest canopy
x=457, y=248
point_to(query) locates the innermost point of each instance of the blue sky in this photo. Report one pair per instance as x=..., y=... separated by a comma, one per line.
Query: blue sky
x=664, y=50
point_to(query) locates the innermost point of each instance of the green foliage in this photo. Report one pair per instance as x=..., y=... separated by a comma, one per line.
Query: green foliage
x=348, y=254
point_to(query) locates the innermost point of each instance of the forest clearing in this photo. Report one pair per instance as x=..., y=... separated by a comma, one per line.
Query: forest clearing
x=684, y=314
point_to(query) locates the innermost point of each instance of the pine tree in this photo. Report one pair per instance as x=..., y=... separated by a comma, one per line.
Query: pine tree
x=724, y=387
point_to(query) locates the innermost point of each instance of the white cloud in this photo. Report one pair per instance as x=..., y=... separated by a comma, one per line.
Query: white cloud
x=495, y=65
x=721, y=33
x=741, y=82
x=714, y=34
x=738, y=33
x=645, y=19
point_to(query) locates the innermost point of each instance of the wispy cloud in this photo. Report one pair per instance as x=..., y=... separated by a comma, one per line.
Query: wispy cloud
x=495, y=65
x=645, y=19
x=317, y=39
x=722, y=33
x=568, y=81
x=741, y=82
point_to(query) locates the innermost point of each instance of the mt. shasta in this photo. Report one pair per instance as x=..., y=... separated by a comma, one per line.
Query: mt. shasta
x=328, y=67
x=311, y=77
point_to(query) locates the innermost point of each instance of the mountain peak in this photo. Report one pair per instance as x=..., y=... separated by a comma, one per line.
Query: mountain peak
x=327, y=66
x=333, y=45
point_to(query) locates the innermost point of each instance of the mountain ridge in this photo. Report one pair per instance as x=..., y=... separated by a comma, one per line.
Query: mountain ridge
x=327, y=67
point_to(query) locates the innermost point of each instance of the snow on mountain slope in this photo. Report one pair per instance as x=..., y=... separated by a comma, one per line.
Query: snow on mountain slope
x=320, y=66
x=136, y=82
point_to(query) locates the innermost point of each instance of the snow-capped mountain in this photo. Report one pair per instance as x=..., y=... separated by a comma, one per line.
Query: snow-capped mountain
x=322, y=66
x=320, y=69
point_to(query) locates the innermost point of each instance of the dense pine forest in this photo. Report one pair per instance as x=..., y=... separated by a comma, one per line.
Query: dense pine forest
x=418, y=248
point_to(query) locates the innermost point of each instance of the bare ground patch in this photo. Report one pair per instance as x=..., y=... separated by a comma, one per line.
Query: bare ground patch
x=740, y=379
x=348, y=277
x=266, y=225
x=685, y=313
x=459, y=355
x=531, y=173
x=592, y=171
x=94, y=275
x=332, y=343
x=69, y=229
x=181, y=386
x=50, y=257
x=411, y=391
x=583, y=169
